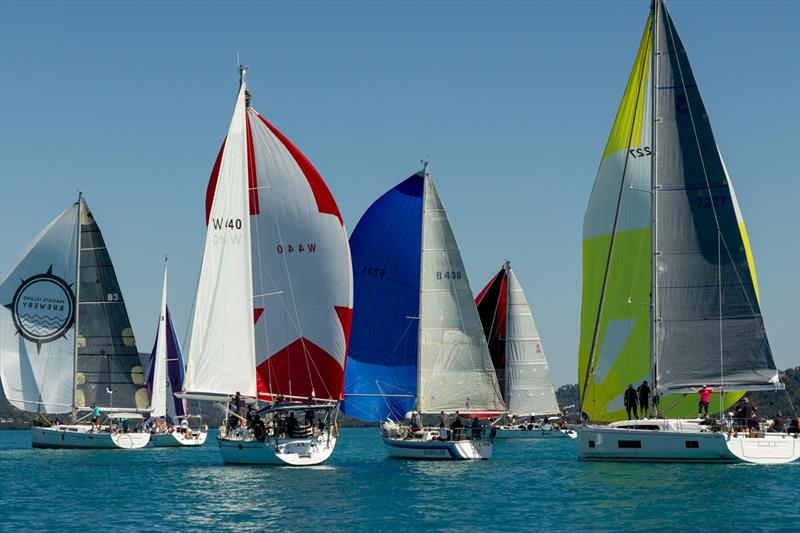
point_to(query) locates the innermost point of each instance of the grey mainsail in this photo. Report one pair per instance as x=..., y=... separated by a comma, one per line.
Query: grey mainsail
x=705, y=298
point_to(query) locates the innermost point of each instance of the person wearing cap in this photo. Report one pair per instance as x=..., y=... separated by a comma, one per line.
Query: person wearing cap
x=414, y=421
x=705, y=396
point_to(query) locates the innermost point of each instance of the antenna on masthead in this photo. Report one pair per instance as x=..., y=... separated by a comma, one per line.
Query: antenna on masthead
x=242, y=74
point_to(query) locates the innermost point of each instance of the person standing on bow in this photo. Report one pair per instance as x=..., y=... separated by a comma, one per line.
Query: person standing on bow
x=644, y=398
x=705, y=396
x=631, y=397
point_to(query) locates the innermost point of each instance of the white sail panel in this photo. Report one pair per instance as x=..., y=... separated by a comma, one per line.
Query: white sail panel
x=158, y=399
x=455, y=368
x=302, y=275
x=37, y=312
x=221, y=357
x=529, y=388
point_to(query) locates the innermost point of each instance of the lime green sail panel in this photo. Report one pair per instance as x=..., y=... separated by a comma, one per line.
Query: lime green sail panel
x=615, y=315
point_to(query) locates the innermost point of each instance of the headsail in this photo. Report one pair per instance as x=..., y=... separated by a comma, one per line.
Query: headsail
x=455, y=368
x=302, y=275
x=708, y=320
x=492, y=303
x=381, y=378
x=37, y=315
x=615, y=314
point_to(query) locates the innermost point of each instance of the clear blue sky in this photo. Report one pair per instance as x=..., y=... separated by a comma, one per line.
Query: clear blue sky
x=512, y=102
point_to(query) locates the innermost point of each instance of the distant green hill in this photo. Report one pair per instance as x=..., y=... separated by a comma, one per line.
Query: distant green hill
x=769, y=403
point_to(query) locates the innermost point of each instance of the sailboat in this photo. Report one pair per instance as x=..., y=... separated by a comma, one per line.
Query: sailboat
x=669, y=285
x=417, y=348
x=66, y=344
x=165, y=373
x=274, y=300
x=519, y=360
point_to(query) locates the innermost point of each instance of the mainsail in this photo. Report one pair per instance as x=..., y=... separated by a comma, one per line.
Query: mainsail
x=432, y=344
x=109, y=372
x=275, y=296
x=704, y=304
x=509, y=326
x=44, y=368
x=708, y=320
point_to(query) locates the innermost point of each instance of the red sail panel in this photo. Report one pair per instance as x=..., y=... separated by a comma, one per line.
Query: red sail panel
x=302, y=274
x=212, y=181
x=322, y=194
x=492, y=303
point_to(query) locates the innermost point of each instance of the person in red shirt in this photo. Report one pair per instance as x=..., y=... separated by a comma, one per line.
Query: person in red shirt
x=705, y=395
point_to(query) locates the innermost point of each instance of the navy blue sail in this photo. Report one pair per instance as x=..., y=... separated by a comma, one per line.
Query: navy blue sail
x=381, y=375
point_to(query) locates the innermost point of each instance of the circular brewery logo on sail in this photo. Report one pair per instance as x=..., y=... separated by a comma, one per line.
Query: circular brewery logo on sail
x=43, y=308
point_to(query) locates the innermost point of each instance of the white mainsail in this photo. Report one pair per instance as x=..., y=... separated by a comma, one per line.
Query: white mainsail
x=455, y=369
x=221, y=357
x=37, y=320
x=158, y=398
x=529, y=388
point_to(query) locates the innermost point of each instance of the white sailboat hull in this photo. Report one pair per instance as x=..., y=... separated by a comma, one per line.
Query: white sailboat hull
x=83, y=436
x=534, y=433
x=176, y=439
x=307, y=451
x=436, y=450
x=684, y=446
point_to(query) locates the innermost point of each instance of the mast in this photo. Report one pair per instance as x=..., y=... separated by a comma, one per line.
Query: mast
x=654, y=211
x=507, y=268
x=421, y=275
x=77, y=304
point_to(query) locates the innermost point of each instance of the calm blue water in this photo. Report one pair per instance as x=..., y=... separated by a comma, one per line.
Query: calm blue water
x=528, y=485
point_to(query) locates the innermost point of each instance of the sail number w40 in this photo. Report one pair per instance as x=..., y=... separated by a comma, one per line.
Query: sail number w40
x=310, y=247
x=226, y=223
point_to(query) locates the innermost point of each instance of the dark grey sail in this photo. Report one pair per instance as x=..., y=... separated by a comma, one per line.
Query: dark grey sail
x=708, y=323
x=108, y=359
